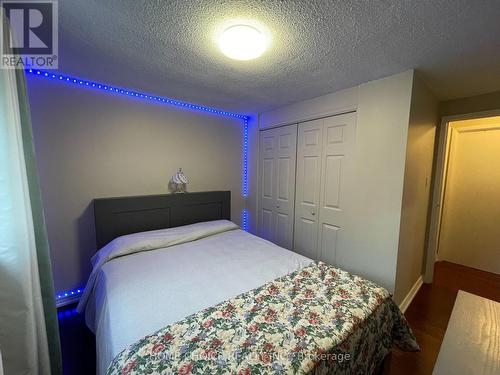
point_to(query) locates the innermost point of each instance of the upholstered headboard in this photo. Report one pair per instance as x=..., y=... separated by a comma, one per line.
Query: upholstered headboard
x=116, y=217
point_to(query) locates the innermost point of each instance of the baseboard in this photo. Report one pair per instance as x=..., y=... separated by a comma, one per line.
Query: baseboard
x=411, y=294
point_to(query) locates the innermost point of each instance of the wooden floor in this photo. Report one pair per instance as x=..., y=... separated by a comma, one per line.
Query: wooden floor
x=430, y=311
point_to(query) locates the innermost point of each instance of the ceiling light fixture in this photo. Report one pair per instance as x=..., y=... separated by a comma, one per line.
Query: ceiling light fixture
x=242, y=42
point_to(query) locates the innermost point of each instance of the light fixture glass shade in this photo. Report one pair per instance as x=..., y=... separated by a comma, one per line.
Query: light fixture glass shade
x=242, y=42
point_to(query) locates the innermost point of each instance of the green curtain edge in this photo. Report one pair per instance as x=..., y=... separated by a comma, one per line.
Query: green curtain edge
x=41, y=239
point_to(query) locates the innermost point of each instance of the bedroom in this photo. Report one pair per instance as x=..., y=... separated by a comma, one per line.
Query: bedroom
x=322, y=143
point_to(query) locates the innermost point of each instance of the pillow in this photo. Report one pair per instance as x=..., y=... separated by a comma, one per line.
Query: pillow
x=151, y=240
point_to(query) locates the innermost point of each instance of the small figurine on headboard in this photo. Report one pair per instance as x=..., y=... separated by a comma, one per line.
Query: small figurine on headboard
x=178, y=183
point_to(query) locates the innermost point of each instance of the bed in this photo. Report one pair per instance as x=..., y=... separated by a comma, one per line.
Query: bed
x=178, y=288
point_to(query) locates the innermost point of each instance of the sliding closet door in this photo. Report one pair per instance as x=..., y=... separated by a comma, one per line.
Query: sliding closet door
x=309, y=151
x=277, y=189
x=267, y=204
x=338, y=146
x=285, y=185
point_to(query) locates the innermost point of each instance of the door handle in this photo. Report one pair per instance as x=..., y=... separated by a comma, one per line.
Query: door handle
x=313, y=213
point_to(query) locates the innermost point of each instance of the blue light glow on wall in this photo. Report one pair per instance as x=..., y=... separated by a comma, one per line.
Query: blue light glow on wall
x=159, y=100
x=66, y=313
x=127, y=92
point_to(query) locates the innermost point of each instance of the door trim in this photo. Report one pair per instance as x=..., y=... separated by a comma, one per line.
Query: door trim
x=439, y=184
x=310, y=118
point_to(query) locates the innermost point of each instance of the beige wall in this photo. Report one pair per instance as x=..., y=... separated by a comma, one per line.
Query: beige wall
x=382, y=130
x=416, y=190
x=471, y=208
x=90, y=144
x=479, y=103
x=376, y=186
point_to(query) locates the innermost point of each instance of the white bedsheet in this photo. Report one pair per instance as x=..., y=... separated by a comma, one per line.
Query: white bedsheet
x=137, y=294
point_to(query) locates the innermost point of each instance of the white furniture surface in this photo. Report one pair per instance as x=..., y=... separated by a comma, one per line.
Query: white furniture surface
x=471, y=344
x=178, y=281
x=315, y=217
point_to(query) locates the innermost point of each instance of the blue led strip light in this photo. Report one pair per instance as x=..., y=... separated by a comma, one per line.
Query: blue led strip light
x=245, y=159
x=244, y=187
x=161, y=100
x=127, y=92
x=69, y=294
x=244, y=219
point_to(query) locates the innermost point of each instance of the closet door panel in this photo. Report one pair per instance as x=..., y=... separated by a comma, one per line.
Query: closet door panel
x=282, y=229
x=277, y=184
x=309, y=149
x=306, y=237
x=267, y=178
x=284, y=171
x=284, y=205
x=267, y=199
x=266, y=218
x=328, y=240
x=267, y=227
x=310, y=168
x=338, y=146
x=333, y=171
x=285, y=176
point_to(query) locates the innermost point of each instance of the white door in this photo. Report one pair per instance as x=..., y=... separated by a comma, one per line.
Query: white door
x=277, y=189
x=338, y=147
x=324, y=154
x=308, y=188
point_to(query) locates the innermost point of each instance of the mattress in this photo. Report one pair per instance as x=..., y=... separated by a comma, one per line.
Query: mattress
x=139, y=293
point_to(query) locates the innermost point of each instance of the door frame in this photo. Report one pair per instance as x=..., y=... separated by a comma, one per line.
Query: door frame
x=439, y=185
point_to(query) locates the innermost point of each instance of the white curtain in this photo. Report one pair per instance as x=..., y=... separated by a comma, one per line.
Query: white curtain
x=23, y=337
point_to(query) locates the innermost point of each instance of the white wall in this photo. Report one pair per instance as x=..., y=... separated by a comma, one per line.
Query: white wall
x=90, y=144
x=416, y=191
x=382, y=130
x=374, y=199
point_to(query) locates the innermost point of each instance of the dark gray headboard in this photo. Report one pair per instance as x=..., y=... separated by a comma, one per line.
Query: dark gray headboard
x=116, y=217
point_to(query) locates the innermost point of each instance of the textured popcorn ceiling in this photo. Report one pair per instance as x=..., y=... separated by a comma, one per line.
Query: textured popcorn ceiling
x=168, y=47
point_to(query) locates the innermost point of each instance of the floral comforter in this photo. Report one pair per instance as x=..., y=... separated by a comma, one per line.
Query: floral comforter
x=319, y=320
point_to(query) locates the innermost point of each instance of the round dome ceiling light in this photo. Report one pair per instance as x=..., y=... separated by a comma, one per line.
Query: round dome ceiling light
x=242, y=42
